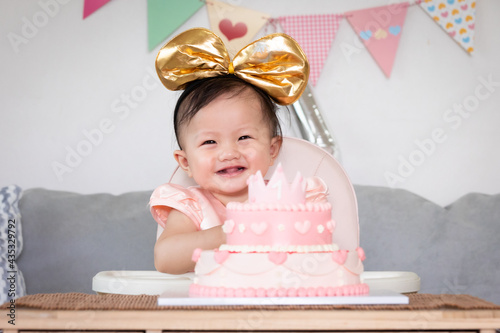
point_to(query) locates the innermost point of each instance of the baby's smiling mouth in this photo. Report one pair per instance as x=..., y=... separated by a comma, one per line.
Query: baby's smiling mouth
x=231, y=171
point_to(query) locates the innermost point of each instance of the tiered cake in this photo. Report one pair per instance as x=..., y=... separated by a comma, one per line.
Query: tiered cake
x=278, y=245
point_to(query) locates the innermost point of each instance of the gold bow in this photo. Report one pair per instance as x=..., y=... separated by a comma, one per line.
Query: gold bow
x=274, y=63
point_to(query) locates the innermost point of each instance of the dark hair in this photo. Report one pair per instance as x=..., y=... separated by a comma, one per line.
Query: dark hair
x=200, y=93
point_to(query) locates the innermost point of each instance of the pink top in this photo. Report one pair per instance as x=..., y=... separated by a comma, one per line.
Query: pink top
x=203, y=208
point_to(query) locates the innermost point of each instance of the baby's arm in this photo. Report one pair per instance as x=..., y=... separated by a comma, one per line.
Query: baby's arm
x=174, y=248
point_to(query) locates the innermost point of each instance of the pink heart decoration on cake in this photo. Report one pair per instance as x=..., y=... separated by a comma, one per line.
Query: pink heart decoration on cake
x=330, y=225
x=221, y=256
x=340, y=256
x=277, y=257
x=361, y=253
x=258, y=228
x=302, y=227
x=228, y=226
x=232, y=31
x=196, y=254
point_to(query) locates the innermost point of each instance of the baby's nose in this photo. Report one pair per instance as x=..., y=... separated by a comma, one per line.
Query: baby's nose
x=229, y=152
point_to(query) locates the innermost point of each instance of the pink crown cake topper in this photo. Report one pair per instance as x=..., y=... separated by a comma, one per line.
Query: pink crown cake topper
x=277, y=190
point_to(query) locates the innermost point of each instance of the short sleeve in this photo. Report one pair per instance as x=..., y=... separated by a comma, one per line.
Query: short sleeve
x=316, y=190
x=172, y=196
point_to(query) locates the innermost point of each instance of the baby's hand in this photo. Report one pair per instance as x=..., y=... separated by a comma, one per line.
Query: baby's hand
x=176, y=244
x=222, y=234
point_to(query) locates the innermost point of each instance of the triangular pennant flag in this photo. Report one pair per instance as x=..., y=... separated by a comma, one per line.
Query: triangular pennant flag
x=456, y=17
x=90, y=6
x=315, y=34
x=164, y=17
x=380, y=29
x=236, y=26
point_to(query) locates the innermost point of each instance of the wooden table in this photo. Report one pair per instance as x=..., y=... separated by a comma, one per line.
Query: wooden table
x=74, y=312
x=484, y=321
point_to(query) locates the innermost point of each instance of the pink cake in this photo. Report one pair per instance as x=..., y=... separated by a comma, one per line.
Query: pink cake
x=278, y=246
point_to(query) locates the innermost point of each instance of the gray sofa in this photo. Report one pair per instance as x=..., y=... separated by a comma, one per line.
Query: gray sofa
x=63, y=239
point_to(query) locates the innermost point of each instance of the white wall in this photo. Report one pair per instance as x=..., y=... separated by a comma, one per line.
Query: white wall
x=72, y=76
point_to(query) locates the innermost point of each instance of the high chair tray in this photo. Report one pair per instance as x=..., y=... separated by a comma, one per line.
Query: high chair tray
x=174, y=298
x=139, y=282
x=401, y=282
x=156, y=283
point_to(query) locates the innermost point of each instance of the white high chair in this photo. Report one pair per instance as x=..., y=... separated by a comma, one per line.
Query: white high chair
x=295, y=155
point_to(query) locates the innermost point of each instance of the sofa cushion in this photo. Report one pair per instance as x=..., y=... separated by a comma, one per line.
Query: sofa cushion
x=453, y=249
x=71, y=237
x=11, y=244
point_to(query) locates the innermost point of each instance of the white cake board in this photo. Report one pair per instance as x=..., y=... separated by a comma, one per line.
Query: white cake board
x=181, y=298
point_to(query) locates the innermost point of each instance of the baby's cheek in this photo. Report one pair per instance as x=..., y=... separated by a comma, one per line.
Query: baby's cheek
x=251, y=151
x=259, y=154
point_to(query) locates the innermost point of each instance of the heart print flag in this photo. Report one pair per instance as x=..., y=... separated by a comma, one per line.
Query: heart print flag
x=236, y=26
x=380, y=28
x=456, y=17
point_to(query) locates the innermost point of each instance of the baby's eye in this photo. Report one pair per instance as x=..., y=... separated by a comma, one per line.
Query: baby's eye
x=244, y=137
x=208, y=142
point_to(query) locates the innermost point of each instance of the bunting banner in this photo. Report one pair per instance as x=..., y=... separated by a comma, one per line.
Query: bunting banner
x=90, y=6
x=164, y=18
x=380, y=28
x=456, y=17
x=235, y=25
x=315, y=34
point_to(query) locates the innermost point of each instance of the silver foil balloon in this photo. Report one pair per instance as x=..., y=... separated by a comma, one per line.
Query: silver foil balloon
x=311, y=125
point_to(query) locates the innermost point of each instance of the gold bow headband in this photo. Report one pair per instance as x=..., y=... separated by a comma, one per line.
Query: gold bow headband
x=274, y=63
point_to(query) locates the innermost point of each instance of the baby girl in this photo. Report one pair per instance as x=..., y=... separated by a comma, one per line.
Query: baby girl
x=227, y=129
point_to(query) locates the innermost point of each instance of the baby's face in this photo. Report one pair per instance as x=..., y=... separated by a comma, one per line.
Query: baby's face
x=226, y=142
